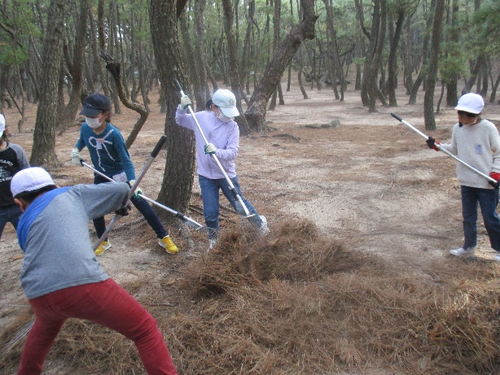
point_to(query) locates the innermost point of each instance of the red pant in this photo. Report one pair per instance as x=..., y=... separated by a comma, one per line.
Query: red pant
x=105, y=303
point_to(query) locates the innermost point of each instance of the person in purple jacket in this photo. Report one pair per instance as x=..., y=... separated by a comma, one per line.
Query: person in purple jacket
x=61, y=276
x=223, y=134
x=12, y=160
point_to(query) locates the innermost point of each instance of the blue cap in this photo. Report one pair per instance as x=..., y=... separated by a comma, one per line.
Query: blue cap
x=94, y=104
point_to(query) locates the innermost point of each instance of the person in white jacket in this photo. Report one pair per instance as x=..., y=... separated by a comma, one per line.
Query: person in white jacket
x=476, y=142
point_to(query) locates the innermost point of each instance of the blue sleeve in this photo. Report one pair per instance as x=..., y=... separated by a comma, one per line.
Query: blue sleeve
x=80, y=143
x=121, y=149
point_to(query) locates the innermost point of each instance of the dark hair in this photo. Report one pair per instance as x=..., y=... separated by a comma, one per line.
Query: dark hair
x=468, y=114
x=29, y=196
x=5, y=135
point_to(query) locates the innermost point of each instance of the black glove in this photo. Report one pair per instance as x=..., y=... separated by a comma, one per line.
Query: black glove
x=495, y=176
x=432, y=143
x=495, y=185
x=124, y=210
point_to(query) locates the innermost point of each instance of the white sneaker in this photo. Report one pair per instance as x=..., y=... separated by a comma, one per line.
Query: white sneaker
x=462, y=252
x=211, y=244
x=264, y=229
x=496, y=258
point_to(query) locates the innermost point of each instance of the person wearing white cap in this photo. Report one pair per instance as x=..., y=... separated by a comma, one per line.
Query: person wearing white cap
x=61, y=276
x=12, y=160
x=222, y=133
x=476, y=142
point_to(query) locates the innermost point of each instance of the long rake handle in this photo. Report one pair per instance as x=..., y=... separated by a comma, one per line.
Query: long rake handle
x=489, y=178
x=230, y=183
x=152, y=156
x=186, y=219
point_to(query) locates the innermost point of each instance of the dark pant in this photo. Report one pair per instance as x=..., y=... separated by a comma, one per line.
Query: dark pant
x=210, y=196
x=488, y=201
x=144, y=208
x=9, y=214
x=105, y=303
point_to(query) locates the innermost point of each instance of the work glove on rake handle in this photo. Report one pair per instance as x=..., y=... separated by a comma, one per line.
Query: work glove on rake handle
x=186, y=102
x=432, y=143
x=124, y=210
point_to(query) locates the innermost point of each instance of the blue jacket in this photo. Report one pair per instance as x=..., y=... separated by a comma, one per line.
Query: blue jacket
x=107, y=151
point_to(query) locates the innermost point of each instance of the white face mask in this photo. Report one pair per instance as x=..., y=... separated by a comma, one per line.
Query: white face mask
x=93, y=122
x=224, y=118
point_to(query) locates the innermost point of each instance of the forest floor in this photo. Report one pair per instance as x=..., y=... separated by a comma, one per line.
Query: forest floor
x=362, y=179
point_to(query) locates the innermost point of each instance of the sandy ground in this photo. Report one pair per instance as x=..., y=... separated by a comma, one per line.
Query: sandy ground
x=370, y=182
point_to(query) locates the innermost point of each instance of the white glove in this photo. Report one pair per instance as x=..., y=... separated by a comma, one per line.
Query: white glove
x=210, y=149
x=75, y=157
x=186, y=102
x=137, y=191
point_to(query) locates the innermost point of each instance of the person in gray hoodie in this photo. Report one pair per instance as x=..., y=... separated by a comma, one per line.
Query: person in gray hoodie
x=61, y=276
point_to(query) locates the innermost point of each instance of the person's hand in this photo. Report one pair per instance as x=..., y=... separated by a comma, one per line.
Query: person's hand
x=210, y=149
x=432, y=143
x=496, y=177
x=186, y=102
x=124, y=210
x=75, y=157
x=137, y=192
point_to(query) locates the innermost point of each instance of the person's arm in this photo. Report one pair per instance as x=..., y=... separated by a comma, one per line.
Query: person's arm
x=184, y=119
x=452, y=146
x=121, y=149
x=22, y=160
x=102, y=199
x=80, y=142
x=495, y=149
x=75, y=153
x=230, y=151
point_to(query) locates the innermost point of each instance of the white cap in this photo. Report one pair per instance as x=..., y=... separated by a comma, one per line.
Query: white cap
x=472, y=103
x=226, y=101
x=30, y=179
x=2, y=125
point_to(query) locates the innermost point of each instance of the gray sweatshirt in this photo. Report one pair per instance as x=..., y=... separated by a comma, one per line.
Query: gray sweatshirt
x=479, y=146
x=54, y=234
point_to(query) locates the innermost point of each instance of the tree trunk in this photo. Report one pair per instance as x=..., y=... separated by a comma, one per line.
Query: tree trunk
x=189, y=59
x=430, y=121
x=44, y=137
x=452, y=82
x=256, y=112
x=335, y=67
x=177, y=180
x=494, y=89
x=201, y=88
x=114, y=69
x=75, y=66
x=234, y=75
x=374, y=55
x=423, y=71
x=392, y=67
x=474, y=74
